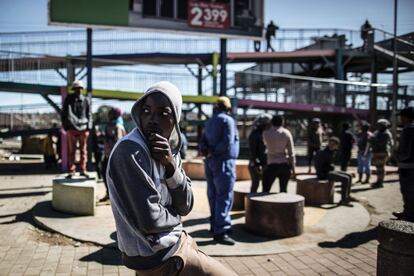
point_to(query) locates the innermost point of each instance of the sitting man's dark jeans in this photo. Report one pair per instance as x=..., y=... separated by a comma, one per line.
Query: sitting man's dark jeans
x=344, y=178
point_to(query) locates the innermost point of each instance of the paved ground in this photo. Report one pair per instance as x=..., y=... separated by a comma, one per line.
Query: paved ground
x=27, y=250
x=329, y=222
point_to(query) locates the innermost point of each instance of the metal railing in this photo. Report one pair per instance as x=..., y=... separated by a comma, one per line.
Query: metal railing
x=34, y=69
x=73, y=42
x=285, y=88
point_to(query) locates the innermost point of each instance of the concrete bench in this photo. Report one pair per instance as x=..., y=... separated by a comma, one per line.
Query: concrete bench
x=75, y=196
x=274, y=215
x=194, y=169
x=315, y=191
x=239, y=191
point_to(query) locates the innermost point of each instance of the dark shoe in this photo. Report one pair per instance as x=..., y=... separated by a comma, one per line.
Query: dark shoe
x=377, y=185
x=353, y=199
x=69, y=176
x=228, y=231
x=366, y=180
x=359, y=178
x=84, y=174
x=346, y=202
x=399, y=215
x=105, y=198
x=224, y=239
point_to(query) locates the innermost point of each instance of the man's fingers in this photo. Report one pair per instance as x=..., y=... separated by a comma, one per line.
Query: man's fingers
x=160, y=145
x=157, y=137
x=159, y=150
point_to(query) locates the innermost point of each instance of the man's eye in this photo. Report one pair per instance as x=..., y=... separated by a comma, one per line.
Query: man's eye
x=145, y=110
x=165, y=113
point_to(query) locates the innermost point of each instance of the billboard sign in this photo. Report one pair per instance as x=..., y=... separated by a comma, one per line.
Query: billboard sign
x=223, y=18
x=208, y=15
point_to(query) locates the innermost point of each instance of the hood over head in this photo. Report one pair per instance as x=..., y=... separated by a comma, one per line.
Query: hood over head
x=173, y=95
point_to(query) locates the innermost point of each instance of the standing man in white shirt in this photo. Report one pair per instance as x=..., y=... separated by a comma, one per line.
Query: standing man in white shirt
x=280, y=155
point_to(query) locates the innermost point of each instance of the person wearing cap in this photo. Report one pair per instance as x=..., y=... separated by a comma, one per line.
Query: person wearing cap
x=364, y=153
x=405, y=157
x=77, y=121
x=315, y=138
x=150, y=192
x=325, y=169
x=220, y=145
x=347, y=140
x=381, y=144
x=114, y=131
x=257, y=159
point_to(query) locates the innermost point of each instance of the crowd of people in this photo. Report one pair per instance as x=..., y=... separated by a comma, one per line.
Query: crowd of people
x=272, y=155
x=149, y=190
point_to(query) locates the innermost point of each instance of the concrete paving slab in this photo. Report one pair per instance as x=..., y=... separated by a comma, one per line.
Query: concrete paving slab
x=97, y=229
x=327, y=223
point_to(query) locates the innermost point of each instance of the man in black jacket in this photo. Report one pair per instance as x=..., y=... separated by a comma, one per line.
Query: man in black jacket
x=406, y=164
x=325, y=169
x=315, y=139
x=257, y=160
x=347, y=140
x=77, y=121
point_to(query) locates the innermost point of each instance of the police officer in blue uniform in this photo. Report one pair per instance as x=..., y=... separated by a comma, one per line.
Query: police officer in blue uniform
x=220, y=145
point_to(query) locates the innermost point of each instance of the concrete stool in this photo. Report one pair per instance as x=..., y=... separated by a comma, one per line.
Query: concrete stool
x=240, y=191
x=275, y=215
x=396, y=248
x=315, y=191
x=194, y=169
x=75, y=196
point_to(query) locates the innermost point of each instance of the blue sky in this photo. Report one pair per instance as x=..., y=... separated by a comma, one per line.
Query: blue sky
x=31, y=15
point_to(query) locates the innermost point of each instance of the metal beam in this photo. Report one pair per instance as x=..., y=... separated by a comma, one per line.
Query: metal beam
x=29, y=88
x=60, y=74
x=27, y=132
x=52, y=103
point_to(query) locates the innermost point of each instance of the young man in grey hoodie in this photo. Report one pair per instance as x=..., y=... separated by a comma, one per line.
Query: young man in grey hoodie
x=149, y=191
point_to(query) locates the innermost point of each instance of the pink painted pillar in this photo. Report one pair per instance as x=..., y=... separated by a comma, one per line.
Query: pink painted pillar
x=64, y=141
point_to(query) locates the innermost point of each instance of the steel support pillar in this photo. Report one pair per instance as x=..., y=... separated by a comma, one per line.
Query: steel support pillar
x=339, y=75
x=223, y=65
x=373, y=92
x=200, y=92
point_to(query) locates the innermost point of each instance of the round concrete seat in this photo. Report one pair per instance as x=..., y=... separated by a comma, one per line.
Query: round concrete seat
x=275, y=215
x=315, y=191
x=240, y=191
x=396, y=248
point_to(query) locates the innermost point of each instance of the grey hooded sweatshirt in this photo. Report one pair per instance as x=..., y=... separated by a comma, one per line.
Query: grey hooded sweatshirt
x=148, y=207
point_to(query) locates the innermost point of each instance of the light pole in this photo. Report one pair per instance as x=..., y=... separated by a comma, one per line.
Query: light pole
x=394, y=77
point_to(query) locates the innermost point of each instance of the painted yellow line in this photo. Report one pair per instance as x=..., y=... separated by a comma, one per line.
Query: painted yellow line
x=133, y=96
x=114, y=94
